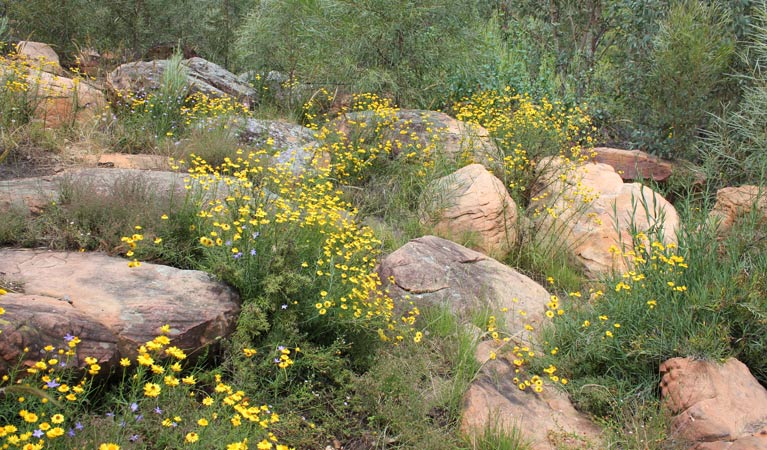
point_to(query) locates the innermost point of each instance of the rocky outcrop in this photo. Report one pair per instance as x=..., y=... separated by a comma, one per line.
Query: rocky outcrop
x=715, y=406
x=419, y=130
x=472, y=207
x=112, y=308
x=289, y=143
x=588, y=209
x=203, y=76
x=546, y=420
x=34, y=194
x=737, y=204
x=634, y=165
x=431, y=271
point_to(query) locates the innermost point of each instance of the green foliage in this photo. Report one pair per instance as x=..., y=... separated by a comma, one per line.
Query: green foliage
x=689, y=60
x=733, y=147
x=413, y=392
x=399, y=47
x=671, y=303
x=132, y=26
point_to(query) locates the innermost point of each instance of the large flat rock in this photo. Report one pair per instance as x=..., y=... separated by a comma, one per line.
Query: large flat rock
x=111, y=307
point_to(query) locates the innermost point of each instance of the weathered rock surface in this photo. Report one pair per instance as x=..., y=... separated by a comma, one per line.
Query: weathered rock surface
x=579, y=205
x=292, y=144
x=734, y=204
x=203, y=76
x=126, y=161
x=634, y=164
x=715, y=406
x=471, y=205
x=434, y=271
x=546, y=420
x=417, y=130
x=40, y=55
x=113, y=309
x=36, y=193
x=64, y=101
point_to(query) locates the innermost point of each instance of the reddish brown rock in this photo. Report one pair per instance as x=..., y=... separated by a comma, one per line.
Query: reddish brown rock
x=578, y=206
x=64, y=101
x=634, y=164
x=546, y=420
x=118, y=307
x=735, y=204
x=715, y=406
x=431, y=271
x=472, y=207
x=34, y=321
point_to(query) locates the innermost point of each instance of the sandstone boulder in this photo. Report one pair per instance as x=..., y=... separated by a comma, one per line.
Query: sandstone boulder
x=203, y=76
x=546, y=420
x=579, y=205
x=112, y=308
x=419, y=130
x=715, y=406
x=634, y=164
x=735, y=204
x=431, y=271
x=472, y=206
x=40, y=55
x=64, y=101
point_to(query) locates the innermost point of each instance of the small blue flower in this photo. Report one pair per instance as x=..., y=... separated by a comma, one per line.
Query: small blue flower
x=71, y=432
x=78, y=426
x=38, y=433
x=253, y=252
x=68, y=337
x=134, y=406
x=284, y=306
x=53, y=384
x=256, y=235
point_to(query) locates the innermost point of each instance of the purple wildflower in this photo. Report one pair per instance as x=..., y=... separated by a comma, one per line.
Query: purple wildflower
x=71, y=432
x=78, y=426
x=157, y=410
x=134, y=407
x=53, y=384
x=68, y=337
x=38, y=433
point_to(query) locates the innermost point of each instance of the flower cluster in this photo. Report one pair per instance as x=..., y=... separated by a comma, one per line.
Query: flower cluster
x=51, y=408
x=529, y=134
